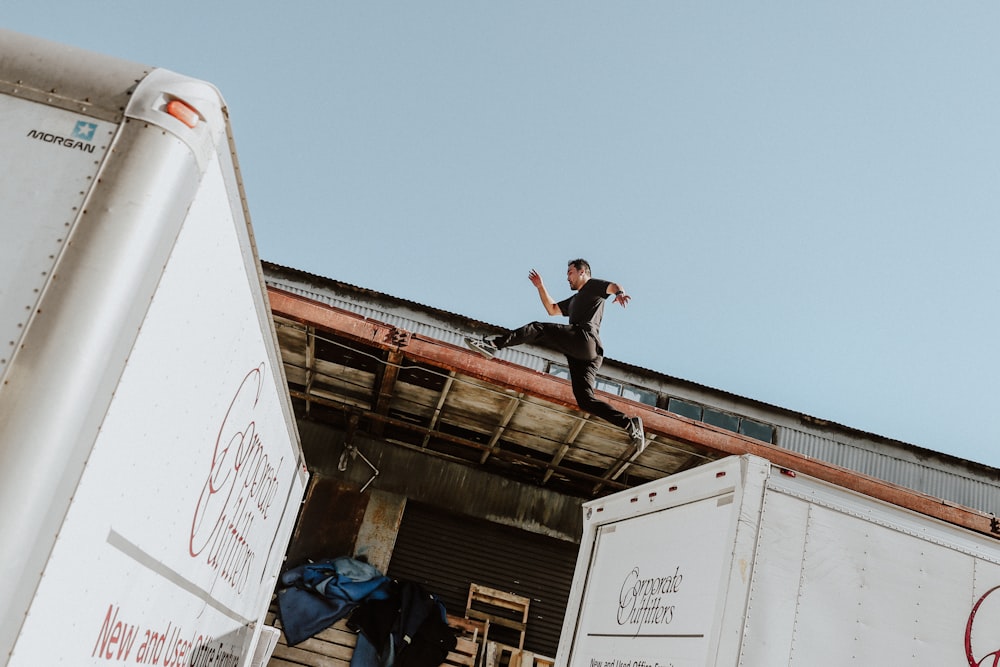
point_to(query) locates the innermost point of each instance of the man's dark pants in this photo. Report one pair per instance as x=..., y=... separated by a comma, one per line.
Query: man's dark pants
x=583, y=356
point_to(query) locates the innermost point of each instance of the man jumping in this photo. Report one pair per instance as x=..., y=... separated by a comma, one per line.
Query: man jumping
x=579, y=340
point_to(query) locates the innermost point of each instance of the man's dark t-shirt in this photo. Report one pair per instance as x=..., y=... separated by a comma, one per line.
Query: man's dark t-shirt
x=586, y=307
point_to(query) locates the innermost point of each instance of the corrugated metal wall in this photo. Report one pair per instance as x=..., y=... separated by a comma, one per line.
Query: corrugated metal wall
x=446, y=552
x=933, y=480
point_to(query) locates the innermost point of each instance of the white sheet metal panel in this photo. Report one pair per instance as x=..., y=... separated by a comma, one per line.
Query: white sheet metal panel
x=67, y=77
x=170, y=543
x=148, y=479
x=60, y=381
x=774, y=586
x=842, y=579
x=50, y=160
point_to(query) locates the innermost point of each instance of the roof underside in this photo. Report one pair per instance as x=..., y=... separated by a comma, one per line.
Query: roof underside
x=361, y=375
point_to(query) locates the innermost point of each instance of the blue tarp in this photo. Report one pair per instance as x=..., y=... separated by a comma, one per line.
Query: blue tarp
x=317, y=595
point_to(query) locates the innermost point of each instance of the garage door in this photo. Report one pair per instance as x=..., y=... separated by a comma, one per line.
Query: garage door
x=446, y=552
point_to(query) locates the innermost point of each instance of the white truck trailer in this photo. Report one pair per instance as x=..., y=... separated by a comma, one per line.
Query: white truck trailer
x=150, y=467
x=742, y=563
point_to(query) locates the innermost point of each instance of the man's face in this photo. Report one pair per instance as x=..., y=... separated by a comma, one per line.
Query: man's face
x=575, y=277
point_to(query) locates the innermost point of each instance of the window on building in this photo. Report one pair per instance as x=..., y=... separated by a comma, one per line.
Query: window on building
x=726, y=420
x=722, y=420
x=559, y=371
x=611, y=386
x=750, y=428
x=684, y=409
x=638, y=394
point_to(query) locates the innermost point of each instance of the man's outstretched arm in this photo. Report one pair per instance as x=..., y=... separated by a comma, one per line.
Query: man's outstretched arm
x=550, y=306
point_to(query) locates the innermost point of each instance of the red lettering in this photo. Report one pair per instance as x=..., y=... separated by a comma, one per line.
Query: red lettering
x=114, y=632
x=242, y=482
x=970, y=655
x=178, y=651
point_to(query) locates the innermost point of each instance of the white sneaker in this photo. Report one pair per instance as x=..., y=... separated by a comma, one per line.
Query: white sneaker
x=483, y=346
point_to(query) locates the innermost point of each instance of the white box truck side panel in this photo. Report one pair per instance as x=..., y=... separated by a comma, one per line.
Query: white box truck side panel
x=60, y=378
x=170, y=536
x=149, y=479
x=806, y=574
x=842, y=579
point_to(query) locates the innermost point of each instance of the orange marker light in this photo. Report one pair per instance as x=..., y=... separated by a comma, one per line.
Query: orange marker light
x=183, y=112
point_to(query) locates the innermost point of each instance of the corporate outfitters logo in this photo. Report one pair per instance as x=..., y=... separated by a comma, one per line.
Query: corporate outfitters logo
x=643, y=600
x=980, y=635
x=239, y=489
x=80, y=138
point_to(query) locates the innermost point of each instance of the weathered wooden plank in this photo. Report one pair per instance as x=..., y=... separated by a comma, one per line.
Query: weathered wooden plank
x=465, y=653
x=278, y=662
x=323, y=647
x=332, y=647
x=298, y=656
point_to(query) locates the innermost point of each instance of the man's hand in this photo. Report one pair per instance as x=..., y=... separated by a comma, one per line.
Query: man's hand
x=621, y=297
x=535, y=279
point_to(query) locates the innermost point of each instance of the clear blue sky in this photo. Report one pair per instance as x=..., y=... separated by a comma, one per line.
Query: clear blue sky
x=802, y=198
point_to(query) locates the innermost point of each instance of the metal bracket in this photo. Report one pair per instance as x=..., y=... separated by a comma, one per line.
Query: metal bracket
x=352, y=452
x=400, y=337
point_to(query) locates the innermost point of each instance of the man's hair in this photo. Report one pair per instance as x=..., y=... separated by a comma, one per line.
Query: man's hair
x=580, y=265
